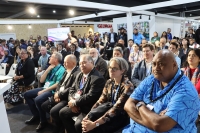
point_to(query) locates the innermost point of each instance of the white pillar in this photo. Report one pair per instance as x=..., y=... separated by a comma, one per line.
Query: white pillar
x=129, y=25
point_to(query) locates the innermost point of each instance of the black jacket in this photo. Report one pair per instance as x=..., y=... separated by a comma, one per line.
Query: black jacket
x=101, y=66
x=27, y=69
x=63, y=95
x=64, y=53
x=115, y=37
x=76, y=53
x=91, y=90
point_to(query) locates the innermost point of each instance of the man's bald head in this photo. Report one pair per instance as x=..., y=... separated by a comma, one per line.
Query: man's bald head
x=164, y=66
x=70, y=62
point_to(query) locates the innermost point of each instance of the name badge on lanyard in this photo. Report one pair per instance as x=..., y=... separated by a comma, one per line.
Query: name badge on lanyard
x=79, y=92
x=46, y=85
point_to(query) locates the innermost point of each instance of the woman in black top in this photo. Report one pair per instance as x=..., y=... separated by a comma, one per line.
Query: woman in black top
x=25, y=75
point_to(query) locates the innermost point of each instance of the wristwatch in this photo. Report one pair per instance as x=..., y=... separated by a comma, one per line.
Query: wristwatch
x=97, y=124
x=139, y=104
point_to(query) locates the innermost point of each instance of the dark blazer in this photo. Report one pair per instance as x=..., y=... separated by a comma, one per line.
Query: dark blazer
x=68, y=83
x=64, y=53
x=115, y=37
x=101, y=66
x=91, y=90
x=42, y=43
x=123, y=37
x=139, y=73
x=27, y=69
x=166, y=47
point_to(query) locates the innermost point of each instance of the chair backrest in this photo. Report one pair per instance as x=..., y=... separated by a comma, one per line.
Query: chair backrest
x=12, y=70
x=3, y=69
x=36, y=70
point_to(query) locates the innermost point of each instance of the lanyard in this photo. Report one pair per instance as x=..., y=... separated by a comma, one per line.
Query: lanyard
x=52, y=75
x=114, y=95
x=82, y=83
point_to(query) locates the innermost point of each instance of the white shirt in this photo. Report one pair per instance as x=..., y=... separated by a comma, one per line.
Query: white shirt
x=193, y=45
x=112, y=38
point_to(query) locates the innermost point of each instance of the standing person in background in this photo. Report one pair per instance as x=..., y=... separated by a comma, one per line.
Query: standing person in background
x=169, y=34
x=155, y=37
x=63, y=52
x=73, y=35
x=123, y=36
x=190, y=34
x=45, y=39
x=112, y=38
x=137, y=37
x=80, y=41
x=40, y=42
x=104, y=39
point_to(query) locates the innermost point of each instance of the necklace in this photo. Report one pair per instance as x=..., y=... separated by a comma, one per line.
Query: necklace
x=152, y=87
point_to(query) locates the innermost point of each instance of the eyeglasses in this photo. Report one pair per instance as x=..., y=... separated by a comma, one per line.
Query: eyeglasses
x=23, y=53
x=114, y=69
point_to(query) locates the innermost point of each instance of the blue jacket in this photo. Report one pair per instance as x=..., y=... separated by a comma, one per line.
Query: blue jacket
x=138, y=38
x=23, y=46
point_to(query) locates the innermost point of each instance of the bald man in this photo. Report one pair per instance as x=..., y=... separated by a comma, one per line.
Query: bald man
x=99, y=63
x=60, y=98
x=166, y=101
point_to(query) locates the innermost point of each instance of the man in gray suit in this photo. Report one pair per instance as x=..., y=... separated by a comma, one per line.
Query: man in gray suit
x=143, y=68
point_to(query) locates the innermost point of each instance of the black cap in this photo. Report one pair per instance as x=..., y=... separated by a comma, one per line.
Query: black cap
x=121, y=28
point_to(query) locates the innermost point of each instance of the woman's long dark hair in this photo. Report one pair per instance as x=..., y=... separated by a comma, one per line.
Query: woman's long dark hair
x=165, y=35
x=196, y=51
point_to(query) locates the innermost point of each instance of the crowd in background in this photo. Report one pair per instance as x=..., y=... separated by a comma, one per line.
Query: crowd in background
x=110, y=55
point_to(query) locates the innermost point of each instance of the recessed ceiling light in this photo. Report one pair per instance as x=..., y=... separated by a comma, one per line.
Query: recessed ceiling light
x=29, y=26
x=9, y=27
x=32, y=10
x=190, y=14
x=54, y=11
x=71, y=12
x=38, y=16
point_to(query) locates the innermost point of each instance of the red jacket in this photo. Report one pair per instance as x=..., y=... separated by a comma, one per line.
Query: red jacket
x=197, y=86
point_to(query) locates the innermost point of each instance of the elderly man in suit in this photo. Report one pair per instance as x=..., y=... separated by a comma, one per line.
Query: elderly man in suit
x=99, y=63
x=83, y=94
x=143, y=68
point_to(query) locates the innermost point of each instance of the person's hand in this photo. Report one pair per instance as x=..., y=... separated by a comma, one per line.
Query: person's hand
x=56, y=97
x=75, y=109
x=16, y=78
x=85, y=118
x=163, y=112
x=50, y=67
x=128, y=85
x=87, y=125
x=71, y=103
x=40, y=92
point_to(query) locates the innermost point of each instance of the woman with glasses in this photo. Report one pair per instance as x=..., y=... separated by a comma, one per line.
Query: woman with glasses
x=116, y=91
x=25, y=75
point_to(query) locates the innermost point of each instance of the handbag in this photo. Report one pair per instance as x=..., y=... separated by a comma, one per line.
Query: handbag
x=98, y=112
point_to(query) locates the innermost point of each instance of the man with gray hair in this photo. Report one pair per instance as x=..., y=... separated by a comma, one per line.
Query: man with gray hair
x=83, y=94
x=99, y=63
x=34, y=98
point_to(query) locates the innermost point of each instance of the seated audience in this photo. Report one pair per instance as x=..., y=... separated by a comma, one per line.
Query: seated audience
x=83, y=94
x=193, y=43
x=63, y=52
x=135, y=56
x=190, y=34
x=34, y=56
x=74, y=52
x=126, y=51
x=23, y=44
x=163, y=42
x=42, y=63
x=99, y=63
x=183, y=51
x=60, y=97
x=116, y=91
x=130, y=45
x=192, y=66
x=11, y=47
x=144, y=67
x=166, y=101
x=173, y=48
x=9, y=59
x=155, y=38
x=34, y=98
x=25, y=75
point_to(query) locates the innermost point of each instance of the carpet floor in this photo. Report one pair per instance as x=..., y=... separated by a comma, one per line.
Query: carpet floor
x=18, y=113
